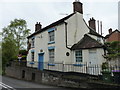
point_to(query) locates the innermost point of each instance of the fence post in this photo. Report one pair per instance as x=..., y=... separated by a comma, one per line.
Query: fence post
x=86, y=68
x=63, y=66
x=48, y=65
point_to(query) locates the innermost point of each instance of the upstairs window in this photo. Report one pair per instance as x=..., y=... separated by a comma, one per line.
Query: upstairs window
x=78, y=56
x=98, y=39
x=33, y=42
x=32, y=56
x=51, y=36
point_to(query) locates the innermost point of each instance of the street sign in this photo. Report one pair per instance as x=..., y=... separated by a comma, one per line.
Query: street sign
x=19, y=56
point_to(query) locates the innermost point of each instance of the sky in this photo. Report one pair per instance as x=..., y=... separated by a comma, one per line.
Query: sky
x=49, y=11
x=119, y=15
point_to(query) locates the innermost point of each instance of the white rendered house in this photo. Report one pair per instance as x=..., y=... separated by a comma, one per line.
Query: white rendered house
x=67, y=41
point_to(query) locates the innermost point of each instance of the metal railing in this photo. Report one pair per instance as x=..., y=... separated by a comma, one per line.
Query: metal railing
x=60, y=66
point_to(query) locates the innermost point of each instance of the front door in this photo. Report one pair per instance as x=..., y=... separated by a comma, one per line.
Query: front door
x=92, y=57
x=40, y=61
x=92, y=62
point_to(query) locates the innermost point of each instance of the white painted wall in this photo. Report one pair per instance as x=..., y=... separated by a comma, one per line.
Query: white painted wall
x=99, y=53
x=76, y=30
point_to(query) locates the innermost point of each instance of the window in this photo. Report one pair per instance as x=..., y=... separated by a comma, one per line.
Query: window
x=32, y=56
x=51, y=36
x=78, y=56
x=98, y=39
x=32, y=43
x=51, y=56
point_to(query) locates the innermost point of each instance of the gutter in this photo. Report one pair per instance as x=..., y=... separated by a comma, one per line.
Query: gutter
x=66, y=35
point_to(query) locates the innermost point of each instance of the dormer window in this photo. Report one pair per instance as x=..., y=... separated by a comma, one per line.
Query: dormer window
x=98, y=39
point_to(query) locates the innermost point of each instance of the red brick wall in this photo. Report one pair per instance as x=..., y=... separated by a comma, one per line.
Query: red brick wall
x=114, y=37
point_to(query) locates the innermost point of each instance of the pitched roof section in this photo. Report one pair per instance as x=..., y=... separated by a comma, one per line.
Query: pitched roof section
x=107, y=36
x=86, y=43
x=92, y=31
x=52, y=25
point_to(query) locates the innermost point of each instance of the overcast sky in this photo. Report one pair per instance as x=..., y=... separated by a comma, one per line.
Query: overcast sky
x=48, y=11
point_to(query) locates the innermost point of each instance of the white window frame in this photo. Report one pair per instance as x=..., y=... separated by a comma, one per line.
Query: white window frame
x=51, y=55
x=32, y=56
x=98, y=39
x=80, y=56
x=33, y=43
x=51, y=36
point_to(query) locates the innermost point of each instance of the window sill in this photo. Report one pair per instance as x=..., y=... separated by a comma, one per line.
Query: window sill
x=32, y=62
x=32, y=47
x=49, y=64
x=80, y=65
x=52, y=42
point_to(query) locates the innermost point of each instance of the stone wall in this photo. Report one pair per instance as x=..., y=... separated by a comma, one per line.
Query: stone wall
x=64, y=79
x=24, y=73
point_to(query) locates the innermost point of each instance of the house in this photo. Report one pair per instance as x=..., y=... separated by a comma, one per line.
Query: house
x=68, y=41
x=113, y=35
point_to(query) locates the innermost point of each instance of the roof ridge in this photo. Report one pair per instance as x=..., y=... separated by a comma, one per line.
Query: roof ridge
x=95, y=33
x=111, y=33
x=52, y=24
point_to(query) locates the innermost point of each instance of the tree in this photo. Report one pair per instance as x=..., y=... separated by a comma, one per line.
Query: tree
x=18, y=30
x=9, y=51
x=113, y=49
x=14, y=40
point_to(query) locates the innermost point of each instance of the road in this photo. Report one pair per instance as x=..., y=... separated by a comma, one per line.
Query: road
x=15, y=84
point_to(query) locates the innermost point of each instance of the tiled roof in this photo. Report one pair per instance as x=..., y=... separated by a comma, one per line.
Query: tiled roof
x=86, y=43
x=52, y=25
x=92, y=32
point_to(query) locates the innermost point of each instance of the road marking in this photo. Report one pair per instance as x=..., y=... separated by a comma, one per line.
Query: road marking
x=6, y=86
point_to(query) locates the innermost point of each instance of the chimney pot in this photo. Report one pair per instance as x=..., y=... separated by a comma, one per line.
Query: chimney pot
x=92, y=23
x=38, y=26
x=78, y=6
x=110, y=30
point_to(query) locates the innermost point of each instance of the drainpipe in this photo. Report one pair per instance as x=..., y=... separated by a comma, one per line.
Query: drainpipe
x=66, y=35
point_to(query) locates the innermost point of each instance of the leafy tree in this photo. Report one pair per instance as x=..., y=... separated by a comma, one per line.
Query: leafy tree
x=14, y=40
x=113, y=49
x=9, y=51
x=18, y=30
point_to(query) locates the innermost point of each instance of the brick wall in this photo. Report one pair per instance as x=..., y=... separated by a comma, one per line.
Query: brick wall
x=114, y=37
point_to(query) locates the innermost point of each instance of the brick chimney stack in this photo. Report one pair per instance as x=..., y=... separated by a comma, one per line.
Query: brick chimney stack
x=78, y=6
x=38, y=26
x=92, y=23
x=110, y=30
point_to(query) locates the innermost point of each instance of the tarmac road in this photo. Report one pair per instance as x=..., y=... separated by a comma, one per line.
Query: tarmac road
x=15, y=84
